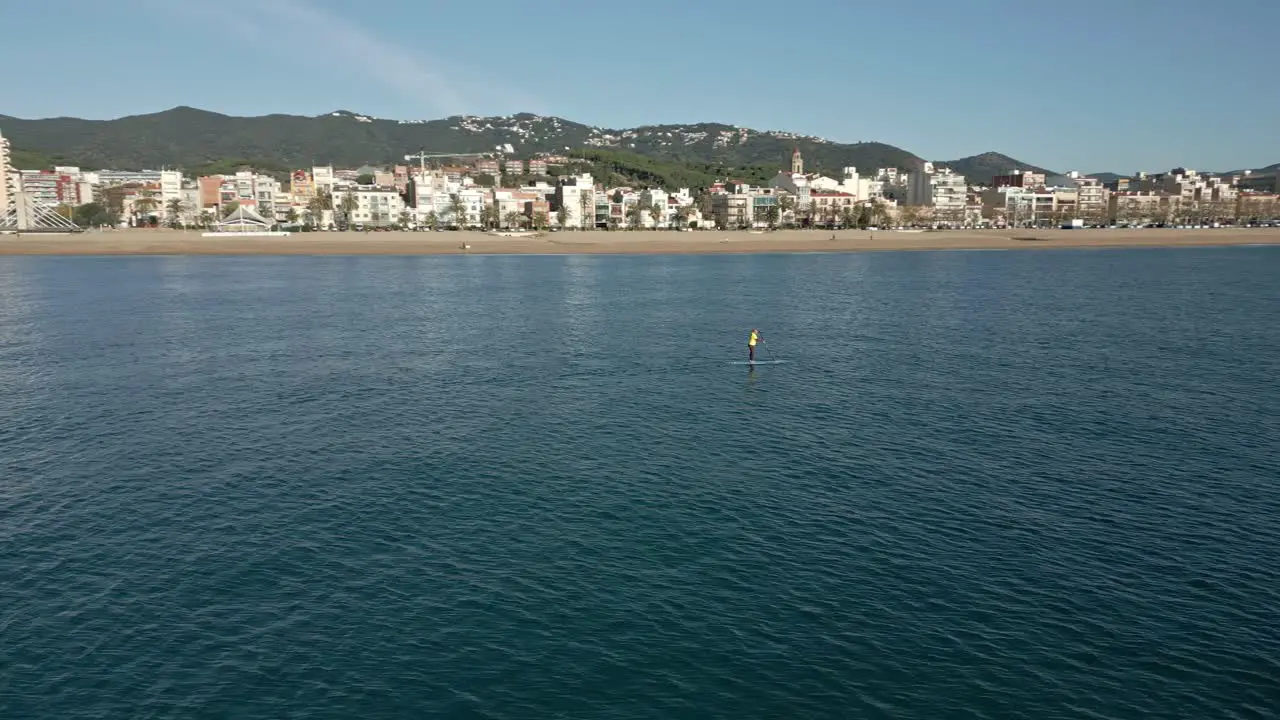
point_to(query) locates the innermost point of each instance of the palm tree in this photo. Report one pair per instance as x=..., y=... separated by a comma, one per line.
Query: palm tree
x=492, y=216
x=315, y=209
x=656, y=213
x=175, y=208
x=786, y=209
x=683, y=213
x=432, y=220
x=145, y=203
x=562, y=216
x=771, y=216
x=348, y=206
x=457, y=212
x=879, y=215
x=847, y=217
x=588, y=202
x=634, y=213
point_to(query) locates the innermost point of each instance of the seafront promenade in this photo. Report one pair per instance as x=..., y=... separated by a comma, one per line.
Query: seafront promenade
x=173, y=242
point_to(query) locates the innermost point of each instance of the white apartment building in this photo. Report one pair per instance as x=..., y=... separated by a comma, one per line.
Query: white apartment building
x=1091, y=196
x=473, y=200
x=323, y=178
x=569, y=195
x=1190, y=187
x=649, y=198
x=373, y=207
x=168, y=183
x=890, y=184
x=191, y=210
x=263, y=193
x=85, y=192
x=1024, y=206
x=940, y=189
x=40, y=186
x=507, y=202
x=733, y=210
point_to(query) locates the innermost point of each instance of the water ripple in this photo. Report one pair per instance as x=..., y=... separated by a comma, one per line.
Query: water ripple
x=998, y=485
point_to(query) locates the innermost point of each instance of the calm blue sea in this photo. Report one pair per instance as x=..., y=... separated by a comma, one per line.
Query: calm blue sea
x=1036, y=484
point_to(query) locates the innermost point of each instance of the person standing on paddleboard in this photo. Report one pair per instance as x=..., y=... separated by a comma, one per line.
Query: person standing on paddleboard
x=752, y=339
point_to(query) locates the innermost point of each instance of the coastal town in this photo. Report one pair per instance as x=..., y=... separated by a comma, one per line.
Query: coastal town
x=505, y=194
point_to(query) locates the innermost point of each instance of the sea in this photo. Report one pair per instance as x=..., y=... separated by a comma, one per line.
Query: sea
x=1028, y=484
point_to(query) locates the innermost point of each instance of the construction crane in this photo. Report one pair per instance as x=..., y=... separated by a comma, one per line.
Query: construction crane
x=421, y=157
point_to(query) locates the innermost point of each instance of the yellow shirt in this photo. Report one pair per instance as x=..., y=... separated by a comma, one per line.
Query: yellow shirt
x=751, y=341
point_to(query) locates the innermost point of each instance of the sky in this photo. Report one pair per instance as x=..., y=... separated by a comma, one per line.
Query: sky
x=1090, y=85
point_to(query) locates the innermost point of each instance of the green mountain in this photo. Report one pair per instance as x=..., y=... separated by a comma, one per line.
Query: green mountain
x=979, y=169
x=200, y=141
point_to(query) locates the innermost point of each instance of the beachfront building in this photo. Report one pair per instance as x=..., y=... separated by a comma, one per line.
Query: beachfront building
x=162, y=189
x=1014, y=206
x=246, y=188
x=365, y=206
x=430, y=197
x=732, y=210
x=576, y=195
x=1199, y=196
x=655, y=198
x=941, y=190
x=43, y=187
x=1091, y=197
x=1189, y=185
x=189, y=209
x=1253, y=206
x=829, y=208
x=1143, y=206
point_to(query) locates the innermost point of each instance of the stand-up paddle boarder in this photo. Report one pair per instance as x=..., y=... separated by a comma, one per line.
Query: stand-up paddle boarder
x=752, y=339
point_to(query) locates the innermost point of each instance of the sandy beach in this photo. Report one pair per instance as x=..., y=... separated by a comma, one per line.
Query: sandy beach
x=172, y=242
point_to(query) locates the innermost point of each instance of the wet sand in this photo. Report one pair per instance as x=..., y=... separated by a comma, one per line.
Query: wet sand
x=171, y=242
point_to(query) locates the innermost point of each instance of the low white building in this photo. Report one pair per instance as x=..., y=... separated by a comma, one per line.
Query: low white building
x=848, y=184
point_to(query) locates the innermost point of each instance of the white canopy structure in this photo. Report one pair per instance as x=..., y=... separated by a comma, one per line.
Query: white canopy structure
x=242, y=219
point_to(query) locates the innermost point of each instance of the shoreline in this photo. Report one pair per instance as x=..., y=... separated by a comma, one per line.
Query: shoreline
x=619, y=242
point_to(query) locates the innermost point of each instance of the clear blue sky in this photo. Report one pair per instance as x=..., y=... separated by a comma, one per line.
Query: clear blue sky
x=1090, y=85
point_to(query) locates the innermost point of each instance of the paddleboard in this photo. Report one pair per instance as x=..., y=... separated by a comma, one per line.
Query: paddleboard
x=757, y=362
